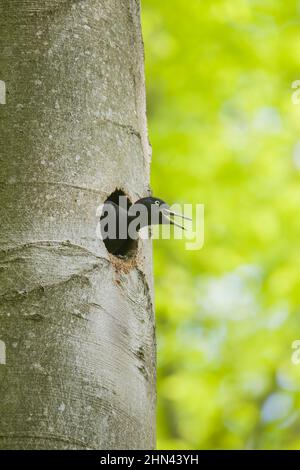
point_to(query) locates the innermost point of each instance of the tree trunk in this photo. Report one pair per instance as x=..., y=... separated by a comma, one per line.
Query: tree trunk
x=76, y=323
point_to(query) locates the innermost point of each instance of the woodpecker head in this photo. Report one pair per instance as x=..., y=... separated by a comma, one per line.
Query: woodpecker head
x=157, y=211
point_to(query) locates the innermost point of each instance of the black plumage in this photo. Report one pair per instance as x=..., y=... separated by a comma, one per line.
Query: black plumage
x=120, y=226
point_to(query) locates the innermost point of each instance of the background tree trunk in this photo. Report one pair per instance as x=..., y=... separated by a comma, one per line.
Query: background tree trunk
x=77, y=323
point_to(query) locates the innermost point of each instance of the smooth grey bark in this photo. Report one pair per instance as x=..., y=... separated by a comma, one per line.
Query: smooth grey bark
x=77, y=323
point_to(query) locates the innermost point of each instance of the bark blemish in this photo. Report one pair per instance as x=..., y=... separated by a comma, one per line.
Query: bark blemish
x=143, y=371
x=35, y=316
x=140, y=353
x=62, y=407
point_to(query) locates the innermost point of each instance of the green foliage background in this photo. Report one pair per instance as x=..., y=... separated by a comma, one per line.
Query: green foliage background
x=225, y=133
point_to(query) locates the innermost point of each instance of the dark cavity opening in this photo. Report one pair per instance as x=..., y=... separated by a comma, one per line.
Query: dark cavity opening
x=125, y=248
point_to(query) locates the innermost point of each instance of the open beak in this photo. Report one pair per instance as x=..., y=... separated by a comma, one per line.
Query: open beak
x=168, y=214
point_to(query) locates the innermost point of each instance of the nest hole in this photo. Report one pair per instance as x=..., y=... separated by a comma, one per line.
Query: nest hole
x=126, y=248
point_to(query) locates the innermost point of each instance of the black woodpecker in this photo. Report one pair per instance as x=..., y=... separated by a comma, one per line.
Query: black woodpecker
x=119, y=226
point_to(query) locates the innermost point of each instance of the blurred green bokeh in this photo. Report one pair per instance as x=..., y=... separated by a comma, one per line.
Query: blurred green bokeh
x=225, y=133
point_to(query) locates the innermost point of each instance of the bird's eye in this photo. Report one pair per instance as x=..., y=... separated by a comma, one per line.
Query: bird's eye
x=157, y=203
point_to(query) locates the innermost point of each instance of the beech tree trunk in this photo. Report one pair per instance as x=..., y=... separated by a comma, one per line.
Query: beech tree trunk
x=76, y=323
